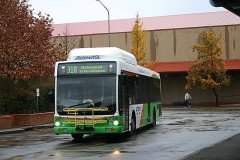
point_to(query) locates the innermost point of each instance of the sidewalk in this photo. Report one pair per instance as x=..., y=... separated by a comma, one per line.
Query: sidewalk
x=25, y=128
x=226, y=150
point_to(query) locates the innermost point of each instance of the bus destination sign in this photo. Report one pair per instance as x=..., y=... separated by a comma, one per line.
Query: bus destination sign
x=86, y=68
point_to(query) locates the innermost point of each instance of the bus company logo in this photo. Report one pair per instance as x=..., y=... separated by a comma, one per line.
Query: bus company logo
x=87, y=57
x=138, y=110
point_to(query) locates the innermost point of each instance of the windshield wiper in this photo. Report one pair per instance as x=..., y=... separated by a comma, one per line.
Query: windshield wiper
x=80, y=104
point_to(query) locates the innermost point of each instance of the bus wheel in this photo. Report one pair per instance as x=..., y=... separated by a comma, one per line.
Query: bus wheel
x=77, y=137
x=154, y=118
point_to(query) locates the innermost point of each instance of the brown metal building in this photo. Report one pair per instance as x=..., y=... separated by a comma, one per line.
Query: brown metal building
x=169, y=41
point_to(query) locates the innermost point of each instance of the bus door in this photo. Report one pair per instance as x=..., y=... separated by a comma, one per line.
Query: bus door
x=124, y=101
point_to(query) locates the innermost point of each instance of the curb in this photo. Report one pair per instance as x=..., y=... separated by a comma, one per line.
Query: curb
x=24, y=128
x=180, y=108
x=11, y=131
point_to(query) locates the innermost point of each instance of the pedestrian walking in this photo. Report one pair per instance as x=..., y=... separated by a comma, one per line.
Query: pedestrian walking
x=187, y=98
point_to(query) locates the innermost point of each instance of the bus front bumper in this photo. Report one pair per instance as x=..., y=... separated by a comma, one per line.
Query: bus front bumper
x=87, y=130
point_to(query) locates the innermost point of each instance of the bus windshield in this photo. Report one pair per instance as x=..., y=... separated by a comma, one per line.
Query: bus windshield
x=87, y=92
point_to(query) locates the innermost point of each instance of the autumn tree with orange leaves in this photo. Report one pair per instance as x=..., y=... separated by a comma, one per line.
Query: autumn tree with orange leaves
x=138, y=41
x=25, y=51
x=138, y=44
x=208, y=70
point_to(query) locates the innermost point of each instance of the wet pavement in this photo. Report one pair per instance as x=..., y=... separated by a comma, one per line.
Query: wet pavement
x=226, y=150
x=180, y=134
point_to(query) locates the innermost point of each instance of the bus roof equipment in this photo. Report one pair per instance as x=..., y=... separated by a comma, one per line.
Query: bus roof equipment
x=101, y=54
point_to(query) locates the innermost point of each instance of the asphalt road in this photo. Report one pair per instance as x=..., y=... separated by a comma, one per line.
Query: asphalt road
x=180, y=134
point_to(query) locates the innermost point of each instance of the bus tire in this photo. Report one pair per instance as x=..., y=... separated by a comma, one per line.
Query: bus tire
x=77, y=137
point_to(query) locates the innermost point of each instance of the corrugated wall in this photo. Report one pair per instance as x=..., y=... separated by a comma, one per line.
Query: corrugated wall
x=173, y=45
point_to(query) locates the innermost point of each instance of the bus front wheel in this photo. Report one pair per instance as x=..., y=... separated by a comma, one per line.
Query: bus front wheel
x=77, y=137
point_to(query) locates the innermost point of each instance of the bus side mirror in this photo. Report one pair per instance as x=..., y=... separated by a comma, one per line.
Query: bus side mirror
x=50, y=96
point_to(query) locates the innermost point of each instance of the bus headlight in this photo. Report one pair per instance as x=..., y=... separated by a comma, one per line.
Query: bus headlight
x=115, y=123
x=57, y=124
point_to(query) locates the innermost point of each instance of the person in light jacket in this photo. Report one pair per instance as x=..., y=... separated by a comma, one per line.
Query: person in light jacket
x=187, y=98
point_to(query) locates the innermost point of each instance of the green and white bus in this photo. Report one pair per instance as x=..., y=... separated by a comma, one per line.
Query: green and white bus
x=104, y=91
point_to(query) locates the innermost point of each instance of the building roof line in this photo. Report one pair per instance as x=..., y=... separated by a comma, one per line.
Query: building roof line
x=112, y=20
x=214, y=19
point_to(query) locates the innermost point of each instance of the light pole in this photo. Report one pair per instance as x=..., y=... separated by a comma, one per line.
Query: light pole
x=37, y=94
x=108, y=22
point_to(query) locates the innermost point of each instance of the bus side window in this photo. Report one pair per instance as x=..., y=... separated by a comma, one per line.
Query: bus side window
x=122, y=90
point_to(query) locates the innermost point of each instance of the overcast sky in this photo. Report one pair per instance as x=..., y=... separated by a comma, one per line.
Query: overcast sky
x=68, y=11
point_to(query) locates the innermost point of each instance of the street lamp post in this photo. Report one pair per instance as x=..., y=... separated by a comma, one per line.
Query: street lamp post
x=108, y=22
x=37, y=94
